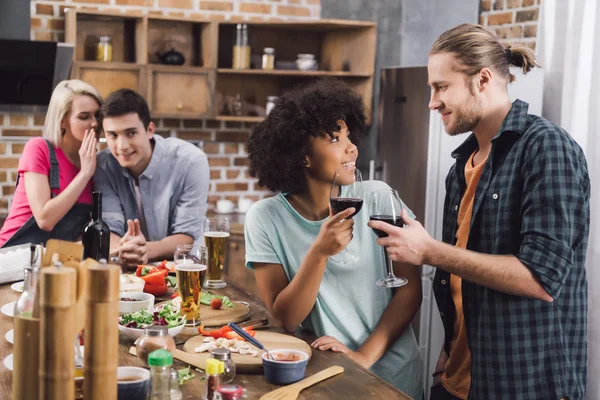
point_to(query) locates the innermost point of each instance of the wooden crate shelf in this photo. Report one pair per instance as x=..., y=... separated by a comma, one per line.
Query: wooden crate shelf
x=205, y=85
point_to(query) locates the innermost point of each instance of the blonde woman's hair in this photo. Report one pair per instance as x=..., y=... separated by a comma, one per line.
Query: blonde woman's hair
x=478, y=48
x=60, y=105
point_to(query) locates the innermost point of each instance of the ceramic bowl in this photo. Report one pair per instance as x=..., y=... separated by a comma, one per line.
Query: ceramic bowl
x=141, y=301
x=137, y=385
x=135, y=333
x=284, y=372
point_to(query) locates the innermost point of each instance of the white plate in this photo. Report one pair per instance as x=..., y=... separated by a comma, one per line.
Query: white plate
x=17, y=286
x=8, y=309
x=10, y=336
x=8, y=362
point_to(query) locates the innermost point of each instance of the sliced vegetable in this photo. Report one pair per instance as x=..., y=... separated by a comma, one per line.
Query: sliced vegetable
x=157, y=290
x=154, y=278
x=162, y=265
x=171, y=281
x=205, y=299
x=166, y=315
x=175, y=295
x=233, y=335
x=185, y=375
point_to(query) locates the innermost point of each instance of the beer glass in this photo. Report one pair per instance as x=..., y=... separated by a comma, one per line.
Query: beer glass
x=216, y=236
x=190, y=267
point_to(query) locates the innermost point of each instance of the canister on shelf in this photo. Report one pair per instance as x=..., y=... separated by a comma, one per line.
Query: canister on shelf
x=104, y=49
x=268, y=58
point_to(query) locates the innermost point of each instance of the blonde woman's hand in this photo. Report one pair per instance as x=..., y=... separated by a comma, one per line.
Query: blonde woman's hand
x=87, y=153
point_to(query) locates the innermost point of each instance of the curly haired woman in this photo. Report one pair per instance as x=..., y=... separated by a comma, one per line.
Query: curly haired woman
x=291, y=237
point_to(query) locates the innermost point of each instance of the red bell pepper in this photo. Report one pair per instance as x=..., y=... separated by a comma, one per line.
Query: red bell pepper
x=156, y=289
x=234, y=335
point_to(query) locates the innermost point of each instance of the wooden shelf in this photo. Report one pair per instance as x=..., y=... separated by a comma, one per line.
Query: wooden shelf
x=231, y=118
x=291, y=72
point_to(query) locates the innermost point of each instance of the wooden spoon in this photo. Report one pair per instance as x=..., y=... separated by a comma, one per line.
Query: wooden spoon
x=291, y=392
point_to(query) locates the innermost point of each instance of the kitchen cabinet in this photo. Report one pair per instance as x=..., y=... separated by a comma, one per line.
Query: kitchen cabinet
x=235, y=264
x=206, y=84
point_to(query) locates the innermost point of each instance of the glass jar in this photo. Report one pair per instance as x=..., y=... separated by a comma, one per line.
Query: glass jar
x=231, y=392
x=104, y=49
x=224, y=355
x=214, y=369
x=268, y=58
x=270, y=103
x=24, y=305
x=155, y=337
x=160, y=362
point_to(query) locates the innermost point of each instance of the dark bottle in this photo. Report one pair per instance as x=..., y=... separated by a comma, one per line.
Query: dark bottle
x=95, y=236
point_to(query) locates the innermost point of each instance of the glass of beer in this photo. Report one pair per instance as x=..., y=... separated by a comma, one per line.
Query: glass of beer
x=190, y=266
x=216, y=236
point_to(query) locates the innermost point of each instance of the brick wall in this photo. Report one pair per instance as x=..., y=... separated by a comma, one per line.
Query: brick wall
x=513, y=21
x=223, y=142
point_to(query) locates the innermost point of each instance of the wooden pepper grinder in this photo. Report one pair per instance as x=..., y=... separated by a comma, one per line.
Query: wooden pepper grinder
x=58, y=293
x=101, y=357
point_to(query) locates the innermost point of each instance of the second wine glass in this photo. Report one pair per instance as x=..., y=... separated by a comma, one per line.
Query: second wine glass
x=346, y=191
x=387, y=207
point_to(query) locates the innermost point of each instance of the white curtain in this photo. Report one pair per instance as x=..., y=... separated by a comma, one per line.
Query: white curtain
x=569, y=49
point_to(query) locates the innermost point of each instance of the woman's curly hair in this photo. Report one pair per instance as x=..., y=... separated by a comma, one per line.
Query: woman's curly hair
x=278, y=145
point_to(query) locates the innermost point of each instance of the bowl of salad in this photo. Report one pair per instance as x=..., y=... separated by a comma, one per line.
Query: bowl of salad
x=132, y=325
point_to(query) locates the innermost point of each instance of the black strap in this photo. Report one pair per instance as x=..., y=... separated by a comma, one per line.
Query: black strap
x=54, y=175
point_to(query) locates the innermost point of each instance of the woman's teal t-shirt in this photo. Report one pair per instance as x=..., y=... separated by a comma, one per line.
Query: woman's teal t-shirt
x=349, y=304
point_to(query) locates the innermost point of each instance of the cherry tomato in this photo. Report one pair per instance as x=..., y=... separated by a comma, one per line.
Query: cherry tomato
x=216, y=303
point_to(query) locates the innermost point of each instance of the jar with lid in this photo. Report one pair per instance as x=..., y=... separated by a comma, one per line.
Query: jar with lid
x=214, y=369
x=104, y=49
x=155, y=337
x=231, y=392
x=224, y=355
x=268, y=58
x=160, y=362
x=270, y=103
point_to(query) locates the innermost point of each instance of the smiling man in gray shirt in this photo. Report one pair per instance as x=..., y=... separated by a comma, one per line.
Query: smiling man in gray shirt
x=154, y=190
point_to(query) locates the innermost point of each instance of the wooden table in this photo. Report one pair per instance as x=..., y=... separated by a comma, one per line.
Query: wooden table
x=355, y=383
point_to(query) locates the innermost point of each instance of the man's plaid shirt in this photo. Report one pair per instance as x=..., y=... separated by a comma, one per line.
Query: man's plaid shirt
x=532, y=201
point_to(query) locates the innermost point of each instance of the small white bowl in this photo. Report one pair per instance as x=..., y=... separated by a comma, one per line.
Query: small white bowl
x=135, y=333
x=142, y=301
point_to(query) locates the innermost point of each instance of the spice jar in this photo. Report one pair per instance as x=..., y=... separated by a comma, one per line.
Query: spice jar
x=155, y=337
x=268, y=58
x=231, y=392
x=224, y=355
x=104, y=49
x=214, y=369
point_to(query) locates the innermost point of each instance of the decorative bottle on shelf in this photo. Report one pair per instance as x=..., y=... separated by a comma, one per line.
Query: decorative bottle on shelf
x=96, y=235
x=241, y=50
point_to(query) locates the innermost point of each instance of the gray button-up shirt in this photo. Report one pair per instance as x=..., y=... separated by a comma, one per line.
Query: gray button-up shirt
x=174, y=190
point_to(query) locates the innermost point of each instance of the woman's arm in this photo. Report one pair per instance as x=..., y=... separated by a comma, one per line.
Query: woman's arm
x=291, y=302
x=394, y=320
x=49, y=211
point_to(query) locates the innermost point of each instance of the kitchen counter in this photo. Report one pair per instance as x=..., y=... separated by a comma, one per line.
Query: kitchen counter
x=355, y=383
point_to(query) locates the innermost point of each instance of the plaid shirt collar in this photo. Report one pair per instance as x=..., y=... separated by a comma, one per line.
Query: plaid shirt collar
x=515, y=122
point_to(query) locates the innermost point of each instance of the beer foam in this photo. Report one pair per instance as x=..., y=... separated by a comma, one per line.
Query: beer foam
x=216, y=234
x=190, y=267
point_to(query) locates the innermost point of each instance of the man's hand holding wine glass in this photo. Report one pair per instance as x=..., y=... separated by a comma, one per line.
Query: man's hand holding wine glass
x=409, y=244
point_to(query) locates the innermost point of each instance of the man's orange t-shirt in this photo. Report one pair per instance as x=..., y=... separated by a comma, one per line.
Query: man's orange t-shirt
x=457, y=375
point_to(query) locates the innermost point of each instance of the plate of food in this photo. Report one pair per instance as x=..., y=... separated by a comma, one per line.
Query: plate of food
x=8, y=309
x=246, y=357
x=132, y=325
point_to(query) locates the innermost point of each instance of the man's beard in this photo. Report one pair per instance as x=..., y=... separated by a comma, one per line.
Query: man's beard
x=466, y=119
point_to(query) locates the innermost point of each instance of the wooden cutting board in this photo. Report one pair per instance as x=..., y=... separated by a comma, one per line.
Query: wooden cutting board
x=210, y=317
x=246, y=363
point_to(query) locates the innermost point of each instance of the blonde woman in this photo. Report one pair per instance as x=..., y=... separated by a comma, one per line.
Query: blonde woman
x=53, y=194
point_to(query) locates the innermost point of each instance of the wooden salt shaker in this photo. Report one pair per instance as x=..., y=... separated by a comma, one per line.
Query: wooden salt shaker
x=58, y=288
x=101, y=357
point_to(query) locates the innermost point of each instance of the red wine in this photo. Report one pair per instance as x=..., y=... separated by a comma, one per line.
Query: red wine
x=339, y=204
x=95, y=236
x=396, y=221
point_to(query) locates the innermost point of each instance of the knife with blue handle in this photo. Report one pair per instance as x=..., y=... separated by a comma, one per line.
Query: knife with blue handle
x=249, y=338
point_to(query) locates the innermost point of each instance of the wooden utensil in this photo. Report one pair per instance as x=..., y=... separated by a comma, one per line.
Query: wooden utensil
x=223, y=316
x=187, y=358
x=246, y=363
x=291, y=392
